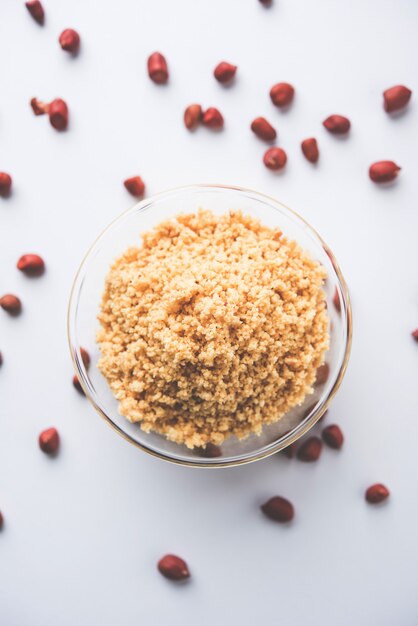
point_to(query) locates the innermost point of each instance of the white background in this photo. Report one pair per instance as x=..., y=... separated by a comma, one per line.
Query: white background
x=83, y=531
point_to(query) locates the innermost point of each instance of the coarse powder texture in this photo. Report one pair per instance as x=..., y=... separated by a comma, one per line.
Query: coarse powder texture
x=214, y=327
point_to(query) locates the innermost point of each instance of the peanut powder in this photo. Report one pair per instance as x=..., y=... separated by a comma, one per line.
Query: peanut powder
x=213, y=327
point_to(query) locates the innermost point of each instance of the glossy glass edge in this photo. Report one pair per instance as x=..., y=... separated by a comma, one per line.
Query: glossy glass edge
x=293, y=435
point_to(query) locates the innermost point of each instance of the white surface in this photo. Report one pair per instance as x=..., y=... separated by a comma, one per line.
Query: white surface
x=83, y=531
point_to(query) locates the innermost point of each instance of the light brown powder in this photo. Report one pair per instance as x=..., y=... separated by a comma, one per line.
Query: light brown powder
x=214, y=327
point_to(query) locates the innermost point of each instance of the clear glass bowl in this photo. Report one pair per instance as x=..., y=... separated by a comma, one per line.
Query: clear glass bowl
x=124, y=232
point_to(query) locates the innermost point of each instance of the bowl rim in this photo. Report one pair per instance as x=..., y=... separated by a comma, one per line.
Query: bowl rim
x=202, y=462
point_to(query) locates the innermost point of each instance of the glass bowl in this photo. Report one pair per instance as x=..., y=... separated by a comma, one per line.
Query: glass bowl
x=124, y=232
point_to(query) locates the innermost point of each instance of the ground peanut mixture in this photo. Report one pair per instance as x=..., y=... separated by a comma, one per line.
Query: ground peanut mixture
x=214, y=327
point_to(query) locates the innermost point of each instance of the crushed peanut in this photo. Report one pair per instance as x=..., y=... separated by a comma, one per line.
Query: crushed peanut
x=214, y=327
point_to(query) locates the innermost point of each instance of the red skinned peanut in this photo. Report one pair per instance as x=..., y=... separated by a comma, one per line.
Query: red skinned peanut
x=336, y=301
x=322, y=374
x=310, y=450
x=69, y=40
x=157, y=68
x=173, y=567
x=278, y=509
x=77, y=385
x=377, y=493
x=38, y=107
x=310, y=149
x=333, y=436
x=58, y=114
x=36, y=10
x=5, y=184
x=282, y=94
x=263, y=129
x=135, y=185
x=275, y=159
x=11, y=304
x=337, y=124
x=212, y=118
x=396, y=98
x=192, y=116
x=49, y=441
x=31, y=265
x=224, y=72
x=383, y=171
